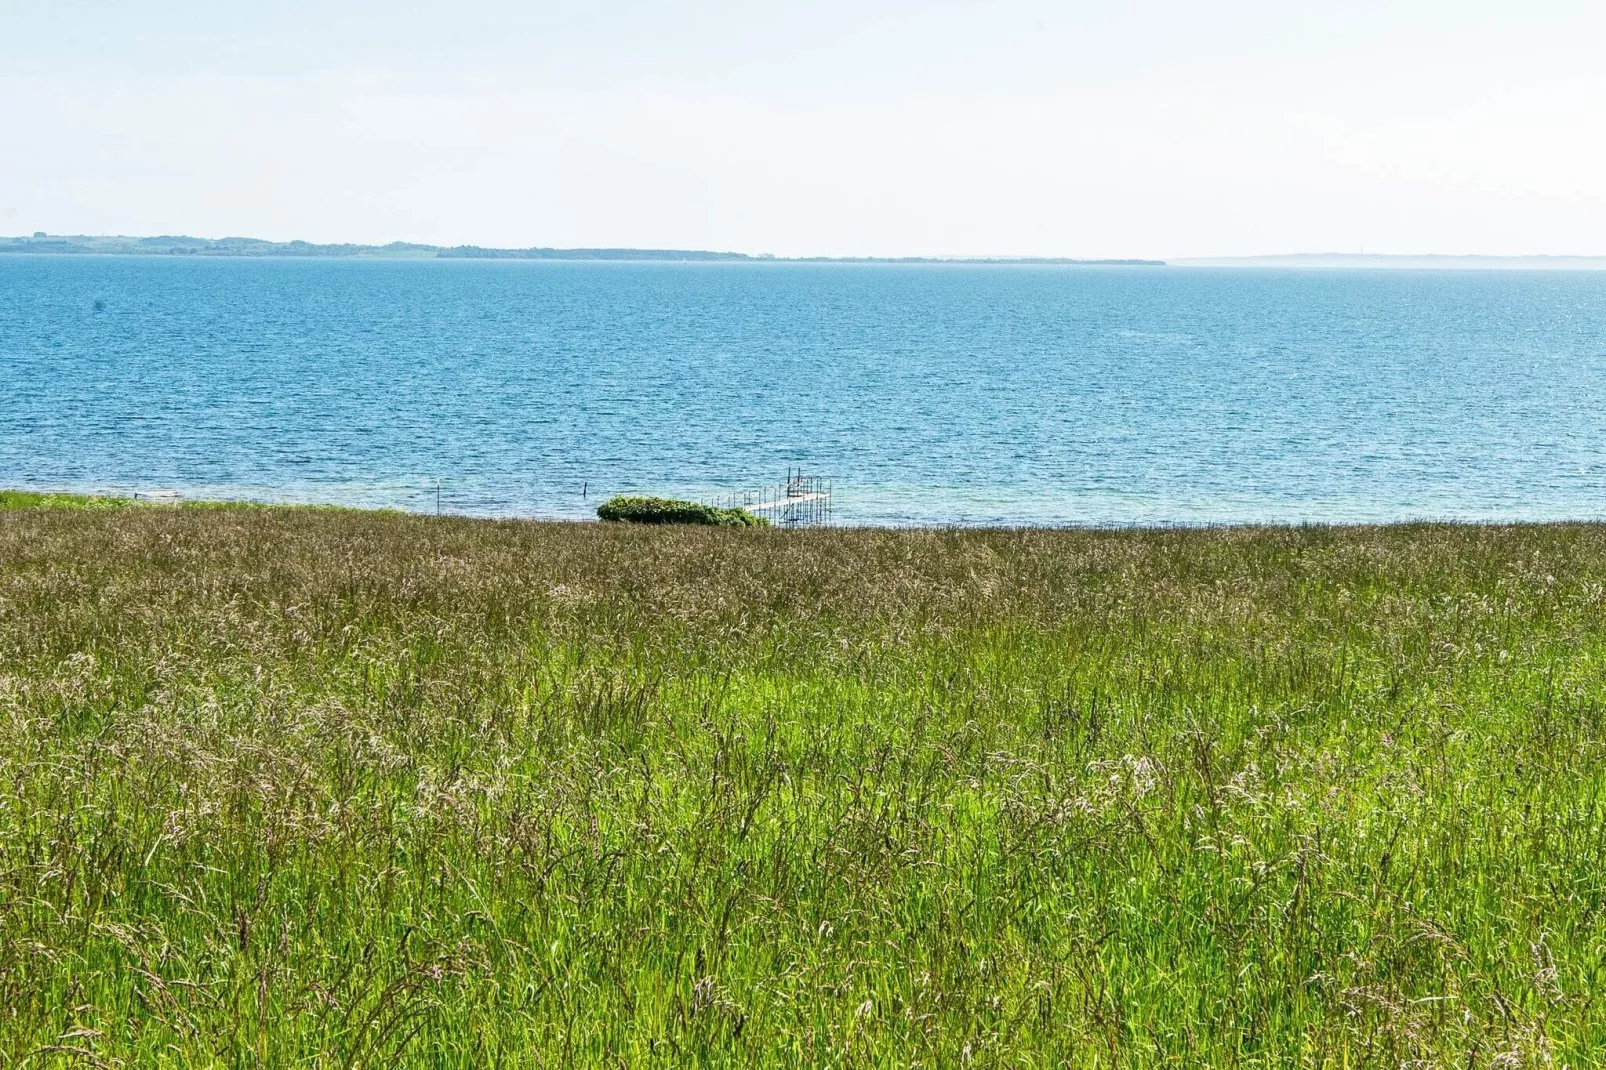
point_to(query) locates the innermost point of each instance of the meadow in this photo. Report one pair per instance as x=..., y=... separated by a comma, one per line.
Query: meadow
x=287, y=787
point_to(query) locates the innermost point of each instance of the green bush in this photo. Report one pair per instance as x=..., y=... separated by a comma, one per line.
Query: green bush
x=636, y=509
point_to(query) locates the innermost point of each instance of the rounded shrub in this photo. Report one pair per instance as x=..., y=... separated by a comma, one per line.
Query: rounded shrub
x=640, y=509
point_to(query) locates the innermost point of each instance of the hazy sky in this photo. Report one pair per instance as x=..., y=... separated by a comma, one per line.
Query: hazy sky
x=1166, y=128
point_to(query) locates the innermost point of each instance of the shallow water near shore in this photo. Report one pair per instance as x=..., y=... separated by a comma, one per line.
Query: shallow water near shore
x=932, y=394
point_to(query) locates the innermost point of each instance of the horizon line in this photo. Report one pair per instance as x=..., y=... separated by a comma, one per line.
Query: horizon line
x=41, y=242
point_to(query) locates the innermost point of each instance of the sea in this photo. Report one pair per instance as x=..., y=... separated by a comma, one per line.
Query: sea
x=928, y=394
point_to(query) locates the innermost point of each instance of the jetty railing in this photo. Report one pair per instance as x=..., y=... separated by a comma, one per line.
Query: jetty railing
x=801, y=501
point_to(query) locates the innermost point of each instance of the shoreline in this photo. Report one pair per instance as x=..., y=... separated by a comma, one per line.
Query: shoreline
x=13, y=499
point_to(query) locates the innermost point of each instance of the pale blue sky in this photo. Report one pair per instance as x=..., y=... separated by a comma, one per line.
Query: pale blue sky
x=1018, y=127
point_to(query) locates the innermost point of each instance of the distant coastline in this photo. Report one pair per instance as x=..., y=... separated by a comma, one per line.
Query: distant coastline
x=41, y=244
x=1428, y=261
x=182, y=245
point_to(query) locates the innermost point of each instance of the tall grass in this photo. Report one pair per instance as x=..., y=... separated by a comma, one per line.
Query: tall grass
x=37, y=499
x=292, y=788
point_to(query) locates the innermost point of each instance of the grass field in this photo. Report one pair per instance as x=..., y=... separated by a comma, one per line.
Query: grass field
x=285, y=788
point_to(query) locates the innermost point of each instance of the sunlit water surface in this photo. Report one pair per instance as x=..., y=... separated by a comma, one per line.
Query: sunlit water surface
x=931, y=394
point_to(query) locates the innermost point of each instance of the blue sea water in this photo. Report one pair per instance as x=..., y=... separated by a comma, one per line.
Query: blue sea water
x=931, y=394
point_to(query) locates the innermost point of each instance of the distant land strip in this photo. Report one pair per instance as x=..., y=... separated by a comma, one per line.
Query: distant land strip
x=180, y=245
x=1417, y=261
